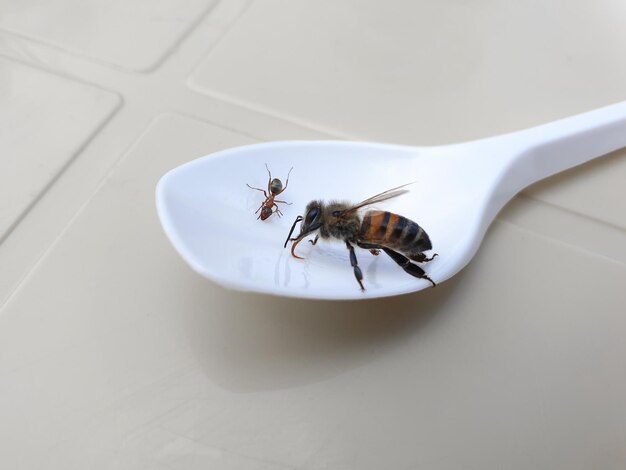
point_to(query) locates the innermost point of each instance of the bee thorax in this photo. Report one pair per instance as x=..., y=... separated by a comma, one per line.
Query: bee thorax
x=342, y=229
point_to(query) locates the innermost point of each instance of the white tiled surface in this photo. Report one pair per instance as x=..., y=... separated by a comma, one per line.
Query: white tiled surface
x=114, y=355
x=41, y=107
x=134, y=34
x=420, y=72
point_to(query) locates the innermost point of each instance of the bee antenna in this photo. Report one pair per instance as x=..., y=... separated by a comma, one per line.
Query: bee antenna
x=298, y=219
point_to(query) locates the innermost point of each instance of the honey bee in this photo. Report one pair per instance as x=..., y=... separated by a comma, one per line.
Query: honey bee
x=399, y=237
x=274, y=188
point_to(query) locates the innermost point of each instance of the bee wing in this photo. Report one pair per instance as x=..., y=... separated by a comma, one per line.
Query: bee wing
x=385, y=195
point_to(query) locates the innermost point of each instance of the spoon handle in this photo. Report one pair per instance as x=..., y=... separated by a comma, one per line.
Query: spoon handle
x=550, y=148
x=511, y=162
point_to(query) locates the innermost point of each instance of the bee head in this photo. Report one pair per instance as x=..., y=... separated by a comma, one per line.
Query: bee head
x=312, y=217
x=311, y=221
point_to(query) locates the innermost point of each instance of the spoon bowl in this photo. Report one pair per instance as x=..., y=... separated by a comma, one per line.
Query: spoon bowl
x=209, y=215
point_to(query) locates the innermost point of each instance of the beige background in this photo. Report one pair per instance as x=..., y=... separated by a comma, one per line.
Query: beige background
x=114, y=355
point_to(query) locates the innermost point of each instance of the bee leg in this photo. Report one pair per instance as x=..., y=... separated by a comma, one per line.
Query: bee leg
x=374, y=249
x=357, y=271
x=405, y=263
x=314, y=241
x=422, y=258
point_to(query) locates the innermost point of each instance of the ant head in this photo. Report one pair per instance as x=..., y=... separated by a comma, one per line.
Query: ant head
x=265, y=212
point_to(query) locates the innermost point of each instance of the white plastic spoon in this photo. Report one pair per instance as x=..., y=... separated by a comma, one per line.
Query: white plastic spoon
x=208, y=212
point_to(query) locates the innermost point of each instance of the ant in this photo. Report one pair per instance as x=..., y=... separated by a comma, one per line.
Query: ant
x=274, y=187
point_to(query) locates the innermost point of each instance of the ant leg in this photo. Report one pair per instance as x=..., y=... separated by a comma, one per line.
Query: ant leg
x=269, y=181
x=284, y=202
x=286, y=184
x=277, y=210
x=357, y=271
x=258, y=189
x=314, y=241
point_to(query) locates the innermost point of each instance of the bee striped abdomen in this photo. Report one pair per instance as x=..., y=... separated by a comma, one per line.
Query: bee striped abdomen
x=394, y=231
